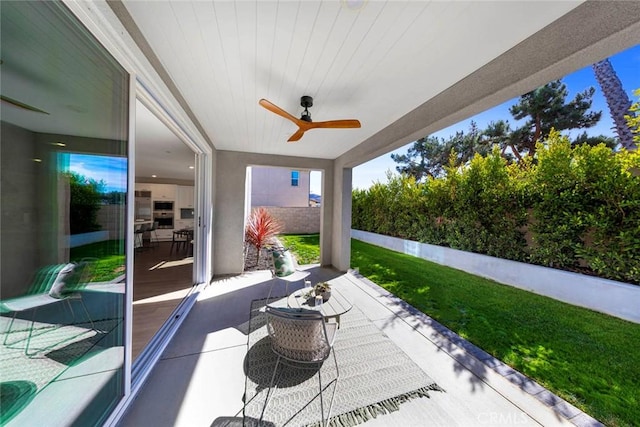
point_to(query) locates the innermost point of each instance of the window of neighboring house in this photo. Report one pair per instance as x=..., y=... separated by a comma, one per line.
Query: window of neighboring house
x=295, y=178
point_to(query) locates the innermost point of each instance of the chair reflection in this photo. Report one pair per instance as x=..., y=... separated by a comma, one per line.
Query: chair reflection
x=53, y=283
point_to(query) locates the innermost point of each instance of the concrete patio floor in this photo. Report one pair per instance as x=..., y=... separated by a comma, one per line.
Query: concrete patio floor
x=200, y=380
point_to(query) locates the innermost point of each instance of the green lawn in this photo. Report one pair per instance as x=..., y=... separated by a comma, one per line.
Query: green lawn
x=589, y=359
x=305, y=246
x=110, y=258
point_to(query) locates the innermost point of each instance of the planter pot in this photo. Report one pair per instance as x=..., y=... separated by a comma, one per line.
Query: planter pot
x=325, y=295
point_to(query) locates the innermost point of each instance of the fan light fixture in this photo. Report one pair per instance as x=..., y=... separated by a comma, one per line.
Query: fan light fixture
x=304, y=123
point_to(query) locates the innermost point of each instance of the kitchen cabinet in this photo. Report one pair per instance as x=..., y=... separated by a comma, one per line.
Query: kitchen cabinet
x=143, y=186
x=163, y=192
x=158, y=191
x=184, y=196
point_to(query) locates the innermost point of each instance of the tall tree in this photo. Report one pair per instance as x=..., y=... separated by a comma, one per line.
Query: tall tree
x=617, y=100
x=499, y=133
x=546, y=108
x=426, y=157
x=466, y=145
x=85, y=195
x=584, y=138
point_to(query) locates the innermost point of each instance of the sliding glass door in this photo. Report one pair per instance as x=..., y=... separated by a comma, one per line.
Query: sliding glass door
x=64, y=145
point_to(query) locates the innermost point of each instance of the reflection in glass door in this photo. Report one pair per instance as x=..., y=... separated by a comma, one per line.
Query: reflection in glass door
x=63, y=145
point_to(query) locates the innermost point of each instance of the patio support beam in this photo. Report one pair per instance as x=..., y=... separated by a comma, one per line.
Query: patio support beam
x=591, y=32
x=326, y=218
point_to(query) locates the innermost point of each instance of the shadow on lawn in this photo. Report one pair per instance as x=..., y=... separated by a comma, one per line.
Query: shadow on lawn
x=468, y=356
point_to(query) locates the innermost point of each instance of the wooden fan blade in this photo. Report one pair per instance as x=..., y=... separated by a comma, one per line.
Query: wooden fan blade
x=277, y=110
x=21, y=105
x=337, y=124
x=296, y=136
x=304, y=125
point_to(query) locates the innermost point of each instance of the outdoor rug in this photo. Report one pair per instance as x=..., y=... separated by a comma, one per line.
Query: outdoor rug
x=375, y=377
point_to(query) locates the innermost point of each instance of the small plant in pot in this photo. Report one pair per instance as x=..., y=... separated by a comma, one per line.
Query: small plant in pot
x=324, y=289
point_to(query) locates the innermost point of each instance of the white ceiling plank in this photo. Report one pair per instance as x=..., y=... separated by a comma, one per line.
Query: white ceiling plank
x=375, y=61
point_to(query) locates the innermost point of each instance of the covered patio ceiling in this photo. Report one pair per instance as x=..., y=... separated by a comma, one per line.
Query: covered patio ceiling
x=403, y=68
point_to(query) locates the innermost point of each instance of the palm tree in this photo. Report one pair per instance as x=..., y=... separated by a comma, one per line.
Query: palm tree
x=617, y=100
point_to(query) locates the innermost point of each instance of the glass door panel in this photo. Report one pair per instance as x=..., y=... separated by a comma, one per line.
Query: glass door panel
x=63, y=149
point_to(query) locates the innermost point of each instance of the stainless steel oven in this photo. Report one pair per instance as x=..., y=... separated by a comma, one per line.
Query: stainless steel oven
x=164, y=219
x=163, y=205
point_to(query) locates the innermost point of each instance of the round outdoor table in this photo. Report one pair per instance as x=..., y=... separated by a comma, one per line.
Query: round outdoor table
x=333, y=308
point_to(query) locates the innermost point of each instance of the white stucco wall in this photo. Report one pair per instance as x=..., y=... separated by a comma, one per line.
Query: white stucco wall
x=76, y=240
x=607, y=296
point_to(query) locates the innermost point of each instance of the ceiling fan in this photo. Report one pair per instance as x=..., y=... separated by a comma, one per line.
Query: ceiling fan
x=304, y=123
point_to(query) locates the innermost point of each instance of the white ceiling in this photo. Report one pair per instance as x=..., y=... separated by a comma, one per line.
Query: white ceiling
x=375, y=61
x=158, y=151
x=389, y=64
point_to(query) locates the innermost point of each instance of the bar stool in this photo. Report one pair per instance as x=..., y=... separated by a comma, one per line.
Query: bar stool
x=138, y=235
x=152, y=233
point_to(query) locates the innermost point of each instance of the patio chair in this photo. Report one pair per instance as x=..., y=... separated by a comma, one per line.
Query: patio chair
x=285, y=269
x=304, y=338
x=54, y=283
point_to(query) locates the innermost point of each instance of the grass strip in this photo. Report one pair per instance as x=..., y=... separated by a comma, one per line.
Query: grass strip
x=109, y=255
x=305, y=246
x=587, y=358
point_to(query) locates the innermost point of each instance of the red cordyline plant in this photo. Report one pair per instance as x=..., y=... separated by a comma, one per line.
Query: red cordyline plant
x=261, y=229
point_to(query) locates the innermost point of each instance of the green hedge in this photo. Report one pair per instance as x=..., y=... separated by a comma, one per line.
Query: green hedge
x=574, y=208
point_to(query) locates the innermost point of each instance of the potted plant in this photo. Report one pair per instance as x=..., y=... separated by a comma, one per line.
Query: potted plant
x=324, y=289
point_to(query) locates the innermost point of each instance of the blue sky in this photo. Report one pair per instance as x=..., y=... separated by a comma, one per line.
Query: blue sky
x=626, y=65
x=111, y=170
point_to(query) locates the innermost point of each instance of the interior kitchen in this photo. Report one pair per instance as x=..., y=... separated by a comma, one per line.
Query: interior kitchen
x=166, y=210
x=164, y=223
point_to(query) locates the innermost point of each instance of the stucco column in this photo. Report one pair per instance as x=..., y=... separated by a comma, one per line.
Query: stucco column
x=326, y=217
x=229, y=205
x=341, y=229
